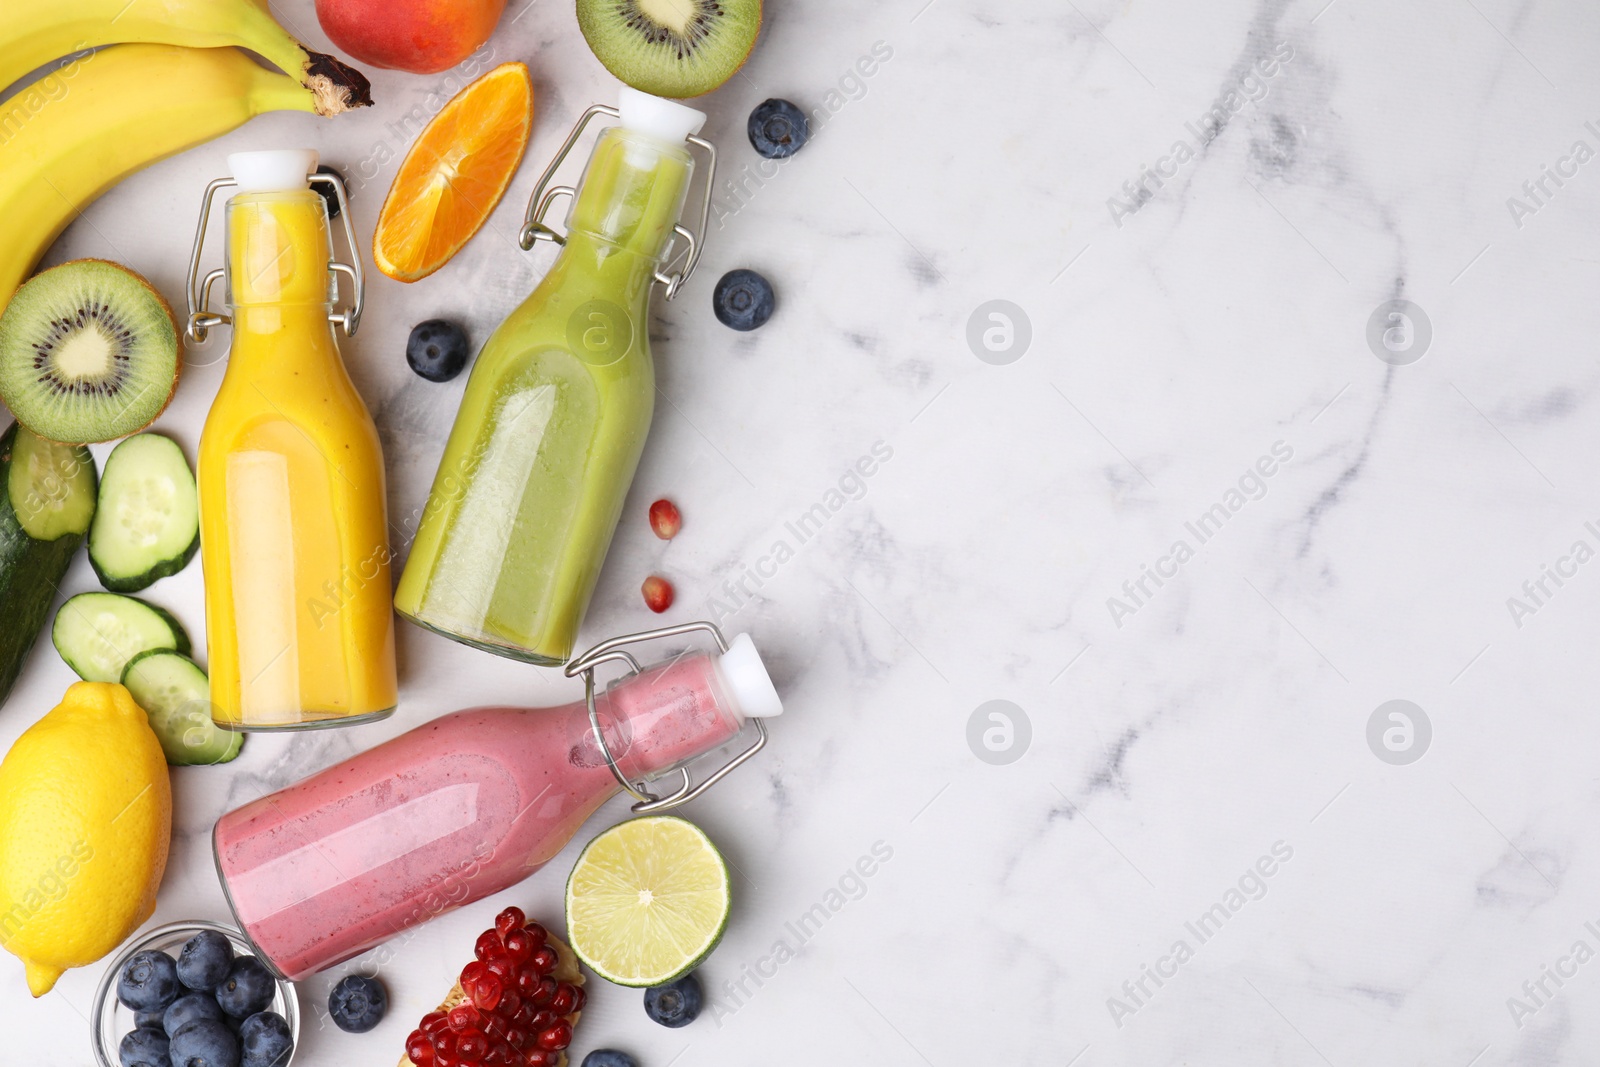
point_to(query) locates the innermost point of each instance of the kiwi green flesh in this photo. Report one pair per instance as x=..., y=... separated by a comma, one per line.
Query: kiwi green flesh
x=672, y=48
x=88, y=352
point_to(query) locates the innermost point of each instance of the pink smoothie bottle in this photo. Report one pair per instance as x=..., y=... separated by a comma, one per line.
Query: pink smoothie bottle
x=472, y=802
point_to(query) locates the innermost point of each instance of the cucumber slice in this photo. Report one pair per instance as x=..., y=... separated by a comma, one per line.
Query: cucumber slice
x=98, y=633
x=51, y=486
x=147, y=525
x=176, y=694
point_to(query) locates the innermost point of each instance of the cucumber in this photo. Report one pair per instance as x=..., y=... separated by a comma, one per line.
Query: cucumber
x=176, y=694
x=45, y=482
x=147, y=525
x=98, y=633
x=47, y=497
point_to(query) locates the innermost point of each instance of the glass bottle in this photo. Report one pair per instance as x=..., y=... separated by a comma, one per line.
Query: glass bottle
x=293, y=534
x=467, y=805
x=555, y=414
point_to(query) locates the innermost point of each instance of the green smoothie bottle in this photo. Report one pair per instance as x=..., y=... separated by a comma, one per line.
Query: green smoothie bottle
x=556, y=411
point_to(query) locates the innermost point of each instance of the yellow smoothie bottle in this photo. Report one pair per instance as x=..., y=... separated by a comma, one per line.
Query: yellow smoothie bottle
x=293, y=531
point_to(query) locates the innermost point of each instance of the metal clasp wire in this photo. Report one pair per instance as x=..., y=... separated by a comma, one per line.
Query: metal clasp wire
x=202, y=318
x=685, y=260
x=610, y=650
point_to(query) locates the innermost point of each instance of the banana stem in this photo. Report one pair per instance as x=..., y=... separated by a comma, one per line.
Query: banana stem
x=337, y=87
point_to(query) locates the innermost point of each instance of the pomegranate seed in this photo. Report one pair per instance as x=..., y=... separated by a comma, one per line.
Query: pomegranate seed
x=423, y=1056
x=543, y=1020
x=519, y=946
x=538, y=1057
x=472, y=972
x=528, y=981
x=474, y=1044
x=446, y=1059
x=416, y=1041
x=433, y=1022
x=545, y=993
x=510, y=1001
x=562, y=1002
x=539, y=934
x=485, y=992
x=502, y=968
x=658, y=593
x=544, y=961
x=579, y=998
x=556, y=1037
x=463, y=1017
x=444, y=1042
x=665, y=519
x=525, y=1015
x=495, y=1026
x=516, y=1036
x=509, y=920
x=489, y=944
x=501, y=1055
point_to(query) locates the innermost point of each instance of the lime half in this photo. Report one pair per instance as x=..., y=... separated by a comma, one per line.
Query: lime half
x=647, y=901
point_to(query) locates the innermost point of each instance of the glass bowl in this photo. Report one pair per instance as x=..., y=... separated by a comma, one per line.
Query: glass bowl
x=111, y=1020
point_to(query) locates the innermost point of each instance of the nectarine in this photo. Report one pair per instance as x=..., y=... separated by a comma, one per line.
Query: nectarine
x=420, y=36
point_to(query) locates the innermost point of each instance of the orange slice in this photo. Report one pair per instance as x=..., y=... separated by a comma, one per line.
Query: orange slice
x=455, y=174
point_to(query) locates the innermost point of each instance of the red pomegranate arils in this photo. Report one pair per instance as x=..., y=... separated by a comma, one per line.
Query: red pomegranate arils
x=665, y=519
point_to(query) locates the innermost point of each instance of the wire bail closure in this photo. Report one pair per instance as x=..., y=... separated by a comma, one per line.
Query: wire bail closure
x=535, y=229
x=611, y=650
x=202, y=318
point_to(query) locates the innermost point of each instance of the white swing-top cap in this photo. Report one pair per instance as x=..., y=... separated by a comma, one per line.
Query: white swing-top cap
x=665, y=120
x=275, y=171
x=748, y=681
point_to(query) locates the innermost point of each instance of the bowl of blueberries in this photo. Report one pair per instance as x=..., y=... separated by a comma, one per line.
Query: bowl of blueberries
x=193, y=994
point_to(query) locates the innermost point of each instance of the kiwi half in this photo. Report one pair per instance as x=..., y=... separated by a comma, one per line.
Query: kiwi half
x=671, y=47
x=88, y=352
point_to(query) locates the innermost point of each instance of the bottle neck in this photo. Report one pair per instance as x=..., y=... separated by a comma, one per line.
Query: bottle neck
x=631, y=197
x=661, y=718
x=279, y=252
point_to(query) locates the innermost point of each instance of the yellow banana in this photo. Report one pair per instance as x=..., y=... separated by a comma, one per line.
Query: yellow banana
x=34, y=32
x=97, y=120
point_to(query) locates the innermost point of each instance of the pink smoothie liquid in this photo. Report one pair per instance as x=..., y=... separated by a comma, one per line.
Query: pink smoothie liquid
x=449, y=813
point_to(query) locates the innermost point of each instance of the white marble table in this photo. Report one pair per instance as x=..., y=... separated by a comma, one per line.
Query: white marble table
x=1194, y=854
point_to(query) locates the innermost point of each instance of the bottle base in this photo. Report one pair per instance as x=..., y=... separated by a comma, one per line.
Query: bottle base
x=305, y=724
x=484, y=644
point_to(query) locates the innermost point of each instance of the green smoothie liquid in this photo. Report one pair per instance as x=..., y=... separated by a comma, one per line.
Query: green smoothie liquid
x=550, y=430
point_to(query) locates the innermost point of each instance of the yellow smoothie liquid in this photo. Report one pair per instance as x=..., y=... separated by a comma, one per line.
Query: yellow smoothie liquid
x=551, y=427
x=294, y=537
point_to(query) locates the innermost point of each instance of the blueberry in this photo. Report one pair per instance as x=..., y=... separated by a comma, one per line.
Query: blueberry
x=674, y=1005
x=743, y=300
x=204, y=961
x=144, y=1047
x=148, y=1020
x=148, y=982
x=437, y=350
x=778, y=129
x=357, y=1003
x=266, y=1040
x=249, y=988
x=324, y=190
x=206, y=1043
x=609, y=1057
x=190, y=1009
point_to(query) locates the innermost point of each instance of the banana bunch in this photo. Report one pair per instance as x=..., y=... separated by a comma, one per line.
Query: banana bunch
x=34, y=32
x=97, y=118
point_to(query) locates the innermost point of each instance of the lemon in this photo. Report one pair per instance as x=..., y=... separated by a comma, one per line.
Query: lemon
x=85, y=821
x=647, y=901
